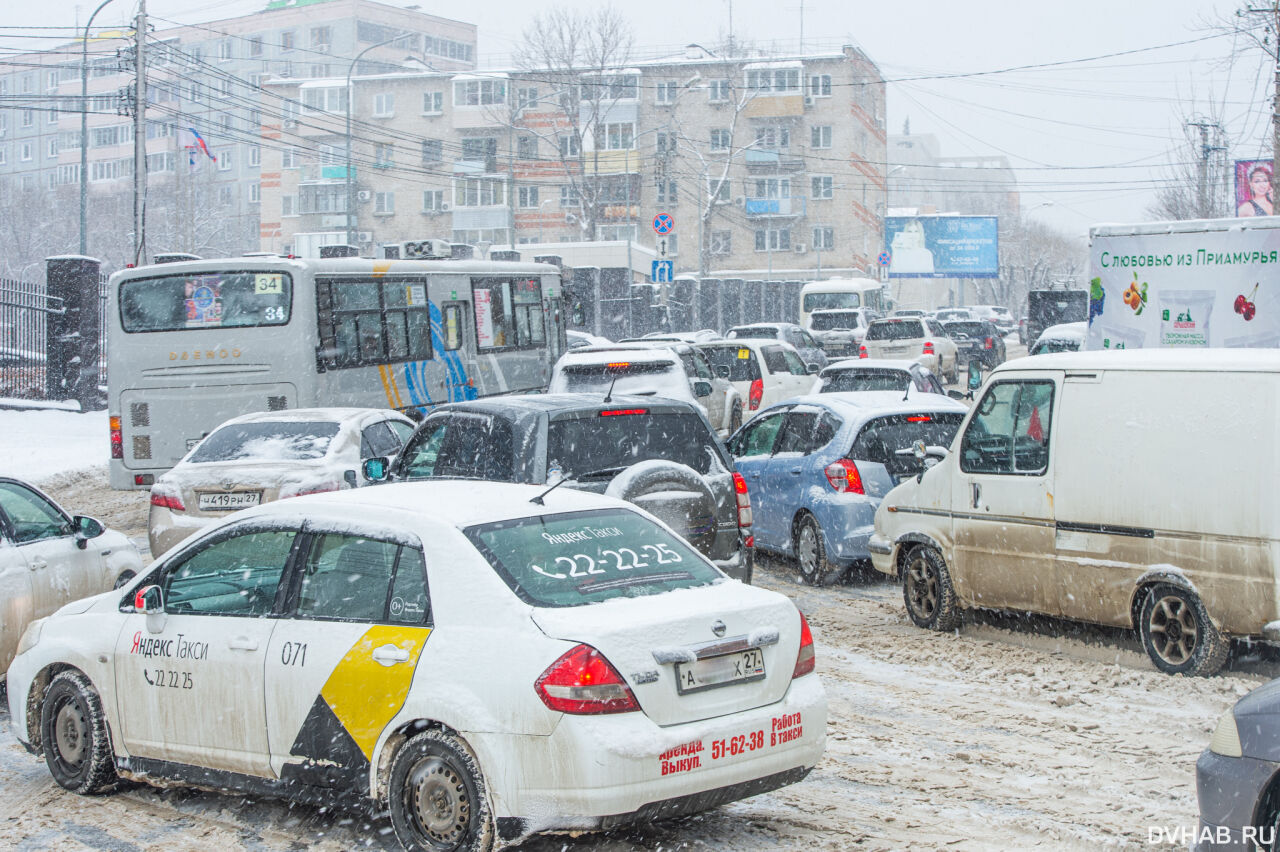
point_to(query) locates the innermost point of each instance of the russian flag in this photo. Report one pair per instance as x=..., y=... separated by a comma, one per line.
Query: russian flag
x=197, y=143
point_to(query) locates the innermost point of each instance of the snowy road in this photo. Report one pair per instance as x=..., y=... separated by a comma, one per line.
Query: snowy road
x=1014, y=734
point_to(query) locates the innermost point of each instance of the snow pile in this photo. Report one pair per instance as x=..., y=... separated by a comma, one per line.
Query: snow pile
x=35, y=445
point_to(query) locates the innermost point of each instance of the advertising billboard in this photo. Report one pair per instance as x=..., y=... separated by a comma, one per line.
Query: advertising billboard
x=942, y=246
x=1253, y=188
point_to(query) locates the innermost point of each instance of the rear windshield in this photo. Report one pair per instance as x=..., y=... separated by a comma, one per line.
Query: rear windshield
x=881, y=438
x=742, y=363
x=267, y=442
x=895, y=330
x=604, y=443
x=969, y=329
x=820, y=301
x=1047, y=347
x=865, y=380
x=945, y=316
x=623, y=377
x=750, y=332
x=586, y=557
x=827, y=322
x=205, y=300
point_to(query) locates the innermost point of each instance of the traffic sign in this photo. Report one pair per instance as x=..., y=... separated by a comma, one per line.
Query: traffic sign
x=663, y=271
x=884, y=258
x=663, y=223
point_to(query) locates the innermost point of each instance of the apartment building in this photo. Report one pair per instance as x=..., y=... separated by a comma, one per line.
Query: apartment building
x=205, y=110
x=771, y=165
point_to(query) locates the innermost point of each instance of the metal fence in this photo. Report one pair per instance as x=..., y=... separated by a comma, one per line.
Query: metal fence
x=25, y=308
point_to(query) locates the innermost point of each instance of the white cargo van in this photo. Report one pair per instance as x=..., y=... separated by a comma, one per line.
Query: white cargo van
x=1128, y=488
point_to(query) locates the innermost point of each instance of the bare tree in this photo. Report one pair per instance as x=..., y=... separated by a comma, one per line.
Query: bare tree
x=1197, y=184
x=1034, y=256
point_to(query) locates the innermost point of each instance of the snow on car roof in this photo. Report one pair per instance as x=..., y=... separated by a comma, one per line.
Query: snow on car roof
x=877, y=403
x=609, y=354
x=871, y=363
x=305, y=415
x=1065, y=331
x=1199, y=360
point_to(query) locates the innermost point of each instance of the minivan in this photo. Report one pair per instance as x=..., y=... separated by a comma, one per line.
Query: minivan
x=1123, y=488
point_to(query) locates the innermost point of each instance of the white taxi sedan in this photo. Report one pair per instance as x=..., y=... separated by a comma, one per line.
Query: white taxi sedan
x=485, y=660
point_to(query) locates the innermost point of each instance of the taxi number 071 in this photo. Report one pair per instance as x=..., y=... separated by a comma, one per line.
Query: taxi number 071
x=582, y=565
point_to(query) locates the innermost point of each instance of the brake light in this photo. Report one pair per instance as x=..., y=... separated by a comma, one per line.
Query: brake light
x=619, y=412
x=928, y=347
x=844, y=477
x=919, y=418
x=584, y=683
x=805, y=659
x=117, y=437
x=296, y=490
x=756, y=394
x=617, y=365
x=167, y=497
x=744, y=501
x=989, y=343
x=862, y=351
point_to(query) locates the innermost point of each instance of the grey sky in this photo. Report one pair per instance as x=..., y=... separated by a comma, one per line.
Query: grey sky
x=1090, y=137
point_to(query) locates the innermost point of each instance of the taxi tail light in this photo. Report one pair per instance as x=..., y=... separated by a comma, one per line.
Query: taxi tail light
x=582, y=682
x=862, y=351
x=167, y=497
x=805, y=659
x=844, y=477
x=117, y=437
x=755, y=394
x=989, y=343
x=297, y=490
x=744, y=501
x=928, y=347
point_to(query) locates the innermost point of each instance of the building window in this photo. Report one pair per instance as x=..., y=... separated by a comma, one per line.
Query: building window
x=383, y=155
x=569, y=196
x=432, y=200
x=432, y=150
x=28, y=118
x=721, y=242
x=255, y=155
x=224, y=160
x=479, y=192
x=820, y=137
x=51, y=115
x=824, y=238
x=820, y=186
x=384, y=105
x=774, y=138
x=820, y=86
x=616, y=137
x=331, y=99
x=321, y=38
x=570, y=146
x=432, y=103
x=286, y=40
x=527, y=197
x=621, y=87
x=667, y=193
x=51, y=81
x=479, y=92
x=225, y=195
x=667, y=92
x=718, y=91
x=255, y=193
x=773, y=239
x=4, y=154
x=25, y=152
x=781, y=80
x=288, y=205
x=773, y=188
x=53, y=148
x=289, y=158
x=718, y=189
x=720, y=140
x=319, y=71
x=666, y=143
x=527, y=147
x=481, y=149
x=224, y=50
x=255, y=46
x=384, y=203
x=526, y=98
x=224, y=121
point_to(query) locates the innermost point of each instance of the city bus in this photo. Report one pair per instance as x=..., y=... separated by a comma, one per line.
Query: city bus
x=840, y=293
x=193, y=343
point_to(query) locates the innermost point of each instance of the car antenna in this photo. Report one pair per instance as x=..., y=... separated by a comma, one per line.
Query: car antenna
x=906, y=392
x=538, y=500
x=608, y=395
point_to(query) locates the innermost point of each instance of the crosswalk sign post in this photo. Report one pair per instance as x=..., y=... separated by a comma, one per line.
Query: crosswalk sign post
x=662, y=271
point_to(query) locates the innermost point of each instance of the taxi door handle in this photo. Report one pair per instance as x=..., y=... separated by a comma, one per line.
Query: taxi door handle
x=38, y=563
x=795, y=471
x=389, y=655
x=242, y=643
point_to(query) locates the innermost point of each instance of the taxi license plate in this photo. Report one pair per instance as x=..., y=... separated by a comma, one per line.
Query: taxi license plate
x=740, y=667
x=229, y=500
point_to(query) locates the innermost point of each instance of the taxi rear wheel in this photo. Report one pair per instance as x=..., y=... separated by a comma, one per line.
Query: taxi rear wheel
x=436, y=796
x=73, y=730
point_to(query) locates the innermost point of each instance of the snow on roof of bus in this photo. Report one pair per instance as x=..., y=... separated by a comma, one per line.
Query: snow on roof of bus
x=839, y=285
x=1173, y=360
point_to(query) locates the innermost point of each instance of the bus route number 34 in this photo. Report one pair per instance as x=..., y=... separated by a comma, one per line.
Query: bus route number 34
x=622, y=559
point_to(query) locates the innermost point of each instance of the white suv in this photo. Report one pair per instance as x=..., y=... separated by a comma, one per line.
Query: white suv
x=915, y=339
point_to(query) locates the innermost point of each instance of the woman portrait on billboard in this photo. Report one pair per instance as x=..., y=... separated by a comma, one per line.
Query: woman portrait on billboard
x=1259, y=202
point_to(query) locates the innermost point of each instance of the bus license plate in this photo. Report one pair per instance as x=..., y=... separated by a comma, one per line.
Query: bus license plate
x=741, y=667
x=229, y=500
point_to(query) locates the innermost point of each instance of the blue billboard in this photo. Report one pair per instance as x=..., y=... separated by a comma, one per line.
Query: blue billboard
x=942, y=246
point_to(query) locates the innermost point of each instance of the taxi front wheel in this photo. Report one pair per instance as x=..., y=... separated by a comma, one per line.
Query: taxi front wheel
x=73, y=730
x=436, y=796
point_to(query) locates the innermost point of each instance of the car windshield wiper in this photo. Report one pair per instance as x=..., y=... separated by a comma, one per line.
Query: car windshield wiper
x=590, y=587
x=599, y=473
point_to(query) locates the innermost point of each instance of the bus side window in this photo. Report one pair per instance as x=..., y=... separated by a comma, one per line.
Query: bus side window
x=452, y=327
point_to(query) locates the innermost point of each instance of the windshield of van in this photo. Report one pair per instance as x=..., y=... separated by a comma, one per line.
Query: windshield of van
x=205, y=300
x=587, y=557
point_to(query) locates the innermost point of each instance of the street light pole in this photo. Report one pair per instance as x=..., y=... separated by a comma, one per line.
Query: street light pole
x=351, y=222
x=84, y=131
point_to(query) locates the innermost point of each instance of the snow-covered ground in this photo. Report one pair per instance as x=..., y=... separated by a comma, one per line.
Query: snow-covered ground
x=1010, y=734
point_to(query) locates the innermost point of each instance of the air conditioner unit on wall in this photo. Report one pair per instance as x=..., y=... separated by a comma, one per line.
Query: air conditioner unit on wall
x=365, y=236
x=364, y=195
x=798, y=248
x=808, y=100
x=741, y=201
x=445, y=207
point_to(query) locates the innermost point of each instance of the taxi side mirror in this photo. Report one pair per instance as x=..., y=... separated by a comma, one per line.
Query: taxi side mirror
x=148, y=600
x=375, y=469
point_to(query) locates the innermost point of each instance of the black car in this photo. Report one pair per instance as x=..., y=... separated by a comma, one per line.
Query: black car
x=658, y=453
x=977, y=340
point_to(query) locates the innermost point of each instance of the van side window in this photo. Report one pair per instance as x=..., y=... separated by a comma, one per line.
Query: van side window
x=1010, y=432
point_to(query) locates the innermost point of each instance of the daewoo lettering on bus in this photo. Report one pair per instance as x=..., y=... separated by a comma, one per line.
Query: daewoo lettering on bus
x=192, y=344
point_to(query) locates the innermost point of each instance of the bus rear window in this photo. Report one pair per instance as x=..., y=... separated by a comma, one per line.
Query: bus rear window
x=206, y=300
x=822, y=301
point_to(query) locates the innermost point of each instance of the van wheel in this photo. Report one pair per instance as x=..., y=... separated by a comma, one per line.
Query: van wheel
x=73, y=729
x=1178, y=635
x=735, y=420
x=927, y=591
x=436, y=796
x=812, y=554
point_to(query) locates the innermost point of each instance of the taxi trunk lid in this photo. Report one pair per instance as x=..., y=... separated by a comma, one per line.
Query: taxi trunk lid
x=655, y=639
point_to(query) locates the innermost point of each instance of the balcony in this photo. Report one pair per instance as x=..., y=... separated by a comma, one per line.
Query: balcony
x=765, y=207
x=325, y=174
x=766, y=162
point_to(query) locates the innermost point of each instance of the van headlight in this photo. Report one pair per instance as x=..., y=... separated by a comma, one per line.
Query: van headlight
x=30, y=636
x=1226, y=738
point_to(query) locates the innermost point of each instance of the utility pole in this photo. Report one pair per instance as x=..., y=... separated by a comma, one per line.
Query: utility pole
x=140, y=135
x=1272, y=46
x=1206, y=203
x=84, y=132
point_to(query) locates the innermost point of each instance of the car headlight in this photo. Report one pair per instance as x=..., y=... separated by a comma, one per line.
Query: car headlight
x=1226, y=739
x=30, y=636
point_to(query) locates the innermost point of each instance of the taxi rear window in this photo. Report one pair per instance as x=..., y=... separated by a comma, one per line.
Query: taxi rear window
x=586, y=557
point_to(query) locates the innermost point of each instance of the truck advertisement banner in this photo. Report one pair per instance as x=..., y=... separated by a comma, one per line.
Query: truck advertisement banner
x=942, y=246
x=1211, y=286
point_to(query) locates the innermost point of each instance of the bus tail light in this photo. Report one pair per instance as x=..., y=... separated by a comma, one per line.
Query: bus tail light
x=584, y=683
x=744, y=501
x=167, y=496
x=117, y=437
x=806, y=660
x=755, y=394
x=844, y=477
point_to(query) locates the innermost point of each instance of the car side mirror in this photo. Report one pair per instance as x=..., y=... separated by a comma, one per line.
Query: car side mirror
x=85, y=529
x=955, y=394
x=375, y=469
x=701, y=387
x=148, y=600
x=811, y=368
x=975, y=375
x=722, y=371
